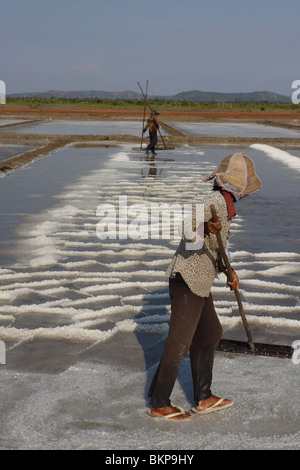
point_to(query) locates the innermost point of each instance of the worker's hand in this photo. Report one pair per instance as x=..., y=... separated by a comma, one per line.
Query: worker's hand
x=214, y=227
x=235, y=284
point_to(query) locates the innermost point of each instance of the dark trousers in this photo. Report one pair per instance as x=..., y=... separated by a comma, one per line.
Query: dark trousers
x=194, y=327
x=152, y=143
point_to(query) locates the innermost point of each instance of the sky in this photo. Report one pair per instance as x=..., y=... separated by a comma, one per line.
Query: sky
x=177, y=45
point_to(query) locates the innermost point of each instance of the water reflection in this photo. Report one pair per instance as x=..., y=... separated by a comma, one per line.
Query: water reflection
x=153, y=171
x=155, y=165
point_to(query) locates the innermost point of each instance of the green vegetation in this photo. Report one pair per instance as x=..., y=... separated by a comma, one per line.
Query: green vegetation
x=237, y=105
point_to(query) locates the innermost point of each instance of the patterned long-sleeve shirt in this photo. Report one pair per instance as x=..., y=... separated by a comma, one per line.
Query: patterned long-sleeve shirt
x=198, y=267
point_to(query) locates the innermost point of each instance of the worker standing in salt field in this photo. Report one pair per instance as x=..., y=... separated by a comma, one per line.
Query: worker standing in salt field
x=194, y=325
x=153, y=126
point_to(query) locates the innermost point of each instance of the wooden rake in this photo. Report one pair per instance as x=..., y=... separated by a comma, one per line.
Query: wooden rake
x=230, y=278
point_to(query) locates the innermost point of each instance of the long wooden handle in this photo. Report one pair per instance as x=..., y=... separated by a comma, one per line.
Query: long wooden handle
x=230, y=278
x=220, y=243
x=151, y=111
x=145, y=104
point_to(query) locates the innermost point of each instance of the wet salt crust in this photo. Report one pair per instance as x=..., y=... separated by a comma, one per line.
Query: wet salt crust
x=95, y=313
x=81, y=408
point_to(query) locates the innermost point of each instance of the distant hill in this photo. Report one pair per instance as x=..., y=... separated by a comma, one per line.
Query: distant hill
x=208, y=96
x=131, y=95
x=195, y=95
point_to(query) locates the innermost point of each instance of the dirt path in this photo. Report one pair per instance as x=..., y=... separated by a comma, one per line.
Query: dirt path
x=166, y=115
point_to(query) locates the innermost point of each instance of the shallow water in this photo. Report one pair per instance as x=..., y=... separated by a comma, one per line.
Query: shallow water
x=83, y=127
x=9, y=150
x=233, y=130
x=5, y=122
x=50, y=246
x=33, y=188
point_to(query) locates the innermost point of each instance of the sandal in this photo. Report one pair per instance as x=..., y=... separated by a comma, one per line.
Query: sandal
x=172, y=415
x=215, y=407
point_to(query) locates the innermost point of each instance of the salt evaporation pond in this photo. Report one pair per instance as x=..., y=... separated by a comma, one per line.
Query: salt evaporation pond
x=54, y=200
x=5, y=122
x=215, y=129
x=10, y=150
x=50, y=127
x=84, y=320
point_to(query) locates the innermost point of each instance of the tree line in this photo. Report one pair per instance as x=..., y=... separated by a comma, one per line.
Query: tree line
x=162, y=103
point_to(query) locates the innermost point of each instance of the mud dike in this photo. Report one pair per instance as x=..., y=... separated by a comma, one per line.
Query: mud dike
x=45, y=143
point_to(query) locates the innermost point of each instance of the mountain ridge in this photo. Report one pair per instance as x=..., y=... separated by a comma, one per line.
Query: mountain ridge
x=193, y=95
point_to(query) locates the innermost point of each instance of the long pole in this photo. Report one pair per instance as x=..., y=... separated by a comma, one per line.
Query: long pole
x=230, y=277
x=151, y=111
x=145, y=104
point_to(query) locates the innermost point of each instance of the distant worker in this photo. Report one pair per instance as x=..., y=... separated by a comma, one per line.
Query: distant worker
x=153, y=126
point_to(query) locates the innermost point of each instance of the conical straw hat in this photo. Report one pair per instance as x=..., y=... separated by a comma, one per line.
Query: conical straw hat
x=238, y=171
